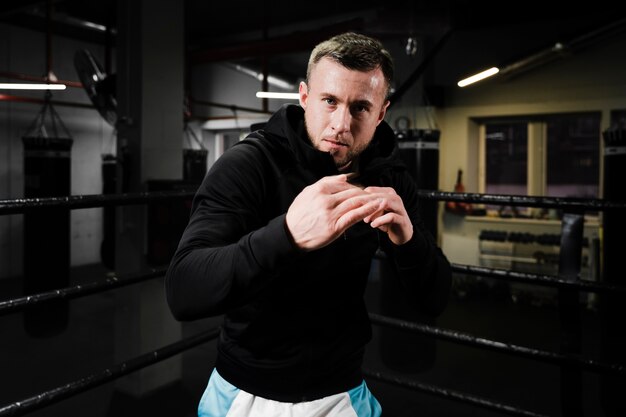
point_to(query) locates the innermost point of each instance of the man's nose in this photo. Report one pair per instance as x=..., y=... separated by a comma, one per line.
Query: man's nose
x=341, y=119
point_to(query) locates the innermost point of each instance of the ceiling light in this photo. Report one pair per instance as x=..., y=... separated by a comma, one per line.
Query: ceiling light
x=31, y=86
x=477, y=77
x=284, y=96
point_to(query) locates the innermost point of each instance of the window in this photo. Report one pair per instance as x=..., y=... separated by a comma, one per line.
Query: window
x=573, y=156
x=552, y=155
x=506, y=159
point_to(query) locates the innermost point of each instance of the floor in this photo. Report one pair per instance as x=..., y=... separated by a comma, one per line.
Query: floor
x=86, y=345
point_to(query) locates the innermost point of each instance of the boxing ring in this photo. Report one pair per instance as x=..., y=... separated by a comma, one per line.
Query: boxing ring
x=568, y=360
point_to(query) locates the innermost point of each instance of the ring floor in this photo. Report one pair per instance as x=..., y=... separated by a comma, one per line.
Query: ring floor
x=31, y=365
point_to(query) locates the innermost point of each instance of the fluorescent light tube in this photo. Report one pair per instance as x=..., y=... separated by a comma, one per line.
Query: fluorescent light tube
x=286, y=96
x=477, y=77
x=32, y=86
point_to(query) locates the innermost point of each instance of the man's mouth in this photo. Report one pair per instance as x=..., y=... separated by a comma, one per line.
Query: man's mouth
x=335, y=143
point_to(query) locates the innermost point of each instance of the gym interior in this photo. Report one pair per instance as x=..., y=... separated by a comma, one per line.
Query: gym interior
x=520, y=175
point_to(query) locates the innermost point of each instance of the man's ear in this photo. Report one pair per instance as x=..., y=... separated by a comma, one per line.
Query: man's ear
x=303, y=90
x=383, y=111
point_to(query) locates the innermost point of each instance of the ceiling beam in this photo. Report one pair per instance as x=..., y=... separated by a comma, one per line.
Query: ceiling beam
x=296, y=42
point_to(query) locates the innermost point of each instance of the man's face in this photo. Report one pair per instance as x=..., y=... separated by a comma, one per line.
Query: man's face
x=342, y=108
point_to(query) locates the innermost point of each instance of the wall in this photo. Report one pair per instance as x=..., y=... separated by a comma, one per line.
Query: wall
x=222, y=84
x=587, y=80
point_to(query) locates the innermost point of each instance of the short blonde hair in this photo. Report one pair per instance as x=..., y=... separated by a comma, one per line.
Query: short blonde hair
x=356, y=52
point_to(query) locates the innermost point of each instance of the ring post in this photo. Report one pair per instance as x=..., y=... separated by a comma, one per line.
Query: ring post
x=569, y=312
x=612, y=305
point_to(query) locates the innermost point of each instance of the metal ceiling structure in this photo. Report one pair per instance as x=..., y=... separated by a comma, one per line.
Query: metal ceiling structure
x=274, y=32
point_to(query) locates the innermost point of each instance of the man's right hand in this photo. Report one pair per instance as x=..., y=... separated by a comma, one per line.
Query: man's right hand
x=323, y=211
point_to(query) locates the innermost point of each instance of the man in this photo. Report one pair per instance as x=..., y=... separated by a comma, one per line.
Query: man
x=281, y=237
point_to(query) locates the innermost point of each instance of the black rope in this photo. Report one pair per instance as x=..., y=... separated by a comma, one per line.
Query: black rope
x=89, y=201
x=100, y=200
x=530, y=278
x=538, y=279
x=57, y=394
x=571, y=203
x=467, y=339
x=451, y=394
x=81, y=290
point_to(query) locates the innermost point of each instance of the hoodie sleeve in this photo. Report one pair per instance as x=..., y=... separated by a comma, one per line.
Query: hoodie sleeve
x=423, y=269
x=223, y=257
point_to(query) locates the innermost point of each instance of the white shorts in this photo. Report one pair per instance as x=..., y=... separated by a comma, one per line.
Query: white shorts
x=222, y=399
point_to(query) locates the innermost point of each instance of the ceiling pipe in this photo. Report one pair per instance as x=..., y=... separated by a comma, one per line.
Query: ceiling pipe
x=22, y=99
x=264, y=62
x=559, y=50
x=49, y=74
x=25, y=77
x=271, y=79
x=62, y=18
x=296, y=42
x=227, y=106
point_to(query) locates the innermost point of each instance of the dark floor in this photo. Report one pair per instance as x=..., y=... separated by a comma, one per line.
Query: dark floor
x=30, y=365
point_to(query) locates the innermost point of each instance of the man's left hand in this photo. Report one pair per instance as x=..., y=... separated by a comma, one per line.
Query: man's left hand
x=391, y=217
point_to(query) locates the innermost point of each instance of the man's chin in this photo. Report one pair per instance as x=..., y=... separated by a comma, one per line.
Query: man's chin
x=342, y=163
x=344, y=167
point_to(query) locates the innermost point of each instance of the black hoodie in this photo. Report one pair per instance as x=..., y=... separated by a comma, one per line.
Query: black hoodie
x=295, y=324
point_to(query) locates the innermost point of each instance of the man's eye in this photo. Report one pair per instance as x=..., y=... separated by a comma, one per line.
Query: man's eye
x=329, y=101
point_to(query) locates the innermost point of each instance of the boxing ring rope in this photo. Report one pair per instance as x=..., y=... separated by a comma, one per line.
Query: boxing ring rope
x=81, y=290
x=523, y=351
x=570, y=205
x=16, y=206
x=451, y=394
x=537, y=279
x=444, y=334
x=57, y=394
x=15, y=304
x=23, y=205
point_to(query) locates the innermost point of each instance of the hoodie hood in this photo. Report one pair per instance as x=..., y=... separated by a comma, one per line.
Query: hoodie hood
x=286, y=128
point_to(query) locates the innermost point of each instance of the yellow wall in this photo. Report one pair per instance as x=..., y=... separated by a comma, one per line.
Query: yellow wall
x=590, y=79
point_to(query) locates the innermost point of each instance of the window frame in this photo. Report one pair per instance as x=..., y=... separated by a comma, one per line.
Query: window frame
x=537, y=152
